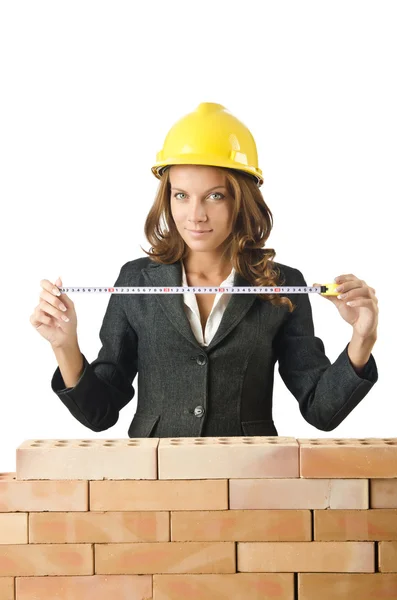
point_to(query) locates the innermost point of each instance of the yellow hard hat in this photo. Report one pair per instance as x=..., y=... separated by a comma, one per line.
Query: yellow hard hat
x=210, y=135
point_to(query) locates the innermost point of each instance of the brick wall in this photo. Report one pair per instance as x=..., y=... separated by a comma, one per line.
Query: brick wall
x=236, y=518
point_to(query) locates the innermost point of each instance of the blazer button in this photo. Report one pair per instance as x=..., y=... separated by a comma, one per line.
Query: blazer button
x=199, y=411
x=201, y=359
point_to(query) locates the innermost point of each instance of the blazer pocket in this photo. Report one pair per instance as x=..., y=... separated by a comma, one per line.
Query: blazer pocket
x=264, y=427
x=143, y=425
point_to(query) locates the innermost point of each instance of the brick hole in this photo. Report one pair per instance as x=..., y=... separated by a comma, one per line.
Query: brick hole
x=248, y=441
x=223, y=439
x=199, y=442
x=106, y=444
x=391, y=443
x=133, y=444
x=224, y=442
x=36, y=444
x=38, y=441
x=175, y=440
x=84, y=445
x=174, y=444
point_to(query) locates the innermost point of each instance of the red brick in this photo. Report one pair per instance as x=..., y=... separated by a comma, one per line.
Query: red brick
x=241, y=525
x=29, y=496
x=298, y=493
x=87, y=459
x=387, y=555
x=13, y=528
x=383, y=493
x=237, y=586
x=99, y=527
x=345, y=525
x=228, y=457
x=348, y=457
x=165, y=557
x=85, y=587
x=46, y=559
x=352, y=586
x=159, y=495
x=346, y=557
x=7, y=588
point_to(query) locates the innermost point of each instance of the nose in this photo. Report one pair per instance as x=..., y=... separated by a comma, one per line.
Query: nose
x=196, y=212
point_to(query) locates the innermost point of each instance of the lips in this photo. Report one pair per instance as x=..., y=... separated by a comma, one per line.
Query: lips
x=198, y=234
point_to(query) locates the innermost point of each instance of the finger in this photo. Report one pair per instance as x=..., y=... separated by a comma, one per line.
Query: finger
x=52, y=310
x=361, y=302
x=50, y=287
x=39, y=317
x=52, y=299
x=53, y=289
x=357, y=292
x=354, y=284
x=345, y=277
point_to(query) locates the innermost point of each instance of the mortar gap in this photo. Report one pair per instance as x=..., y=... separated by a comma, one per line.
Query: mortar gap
x=376, y=557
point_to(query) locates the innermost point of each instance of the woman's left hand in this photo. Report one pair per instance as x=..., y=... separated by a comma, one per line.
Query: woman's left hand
x=362, y=314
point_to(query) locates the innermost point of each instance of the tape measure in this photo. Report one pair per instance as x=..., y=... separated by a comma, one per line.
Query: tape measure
x=328, y=289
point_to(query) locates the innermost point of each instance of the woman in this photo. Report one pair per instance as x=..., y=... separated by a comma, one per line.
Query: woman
x=205, y=362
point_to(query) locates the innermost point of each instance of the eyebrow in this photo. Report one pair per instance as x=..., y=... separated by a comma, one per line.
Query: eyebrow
x=210, y=190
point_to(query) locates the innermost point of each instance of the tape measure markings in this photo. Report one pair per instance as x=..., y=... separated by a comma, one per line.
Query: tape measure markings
x=328, y=289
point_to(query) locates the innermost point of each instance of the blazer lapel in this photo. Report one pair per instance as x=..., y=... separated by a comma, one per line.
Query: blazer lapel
x=161, y=275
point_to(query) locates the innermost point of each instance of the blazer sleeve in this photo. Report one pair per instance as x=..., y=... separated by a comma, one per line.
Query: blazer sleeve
x=105, y=385
x=326, y=392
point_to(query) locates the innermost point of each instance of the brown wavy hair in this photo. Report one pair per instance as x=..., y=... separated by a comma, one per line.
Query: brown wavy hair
x=252, y=222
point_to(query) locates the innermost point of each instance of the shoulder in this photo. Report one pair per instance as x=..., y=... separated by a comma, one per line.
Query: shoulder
x=289, y=275
x=132, y=268
x=138, y=264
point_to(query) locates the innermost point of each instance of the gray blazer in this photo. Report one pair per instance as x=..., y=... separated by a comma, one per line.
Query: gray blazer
x=223, y=389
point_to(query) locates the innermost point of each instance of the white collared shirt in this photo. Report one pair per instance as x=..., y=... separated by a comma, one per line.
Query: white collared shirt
x=215, y=316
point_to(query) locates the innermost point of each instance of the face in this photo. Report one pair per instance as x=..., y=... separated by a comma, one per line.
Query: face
x=200, y=201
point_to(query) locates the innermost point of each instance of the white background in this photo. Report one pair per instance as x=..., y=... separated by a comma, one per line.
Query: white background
x=88, y=93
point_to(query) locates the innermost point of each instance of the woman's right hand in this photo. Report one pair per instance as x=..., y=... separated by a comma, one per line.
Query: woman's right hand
x=47, y=316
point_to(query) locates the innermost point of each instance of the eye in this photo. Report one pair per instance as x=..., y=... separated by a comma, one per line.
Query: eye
x=213, y=194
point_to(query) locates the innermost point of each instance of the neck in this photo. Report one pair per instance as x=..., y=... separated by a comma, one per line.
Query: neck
x=207, y=270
